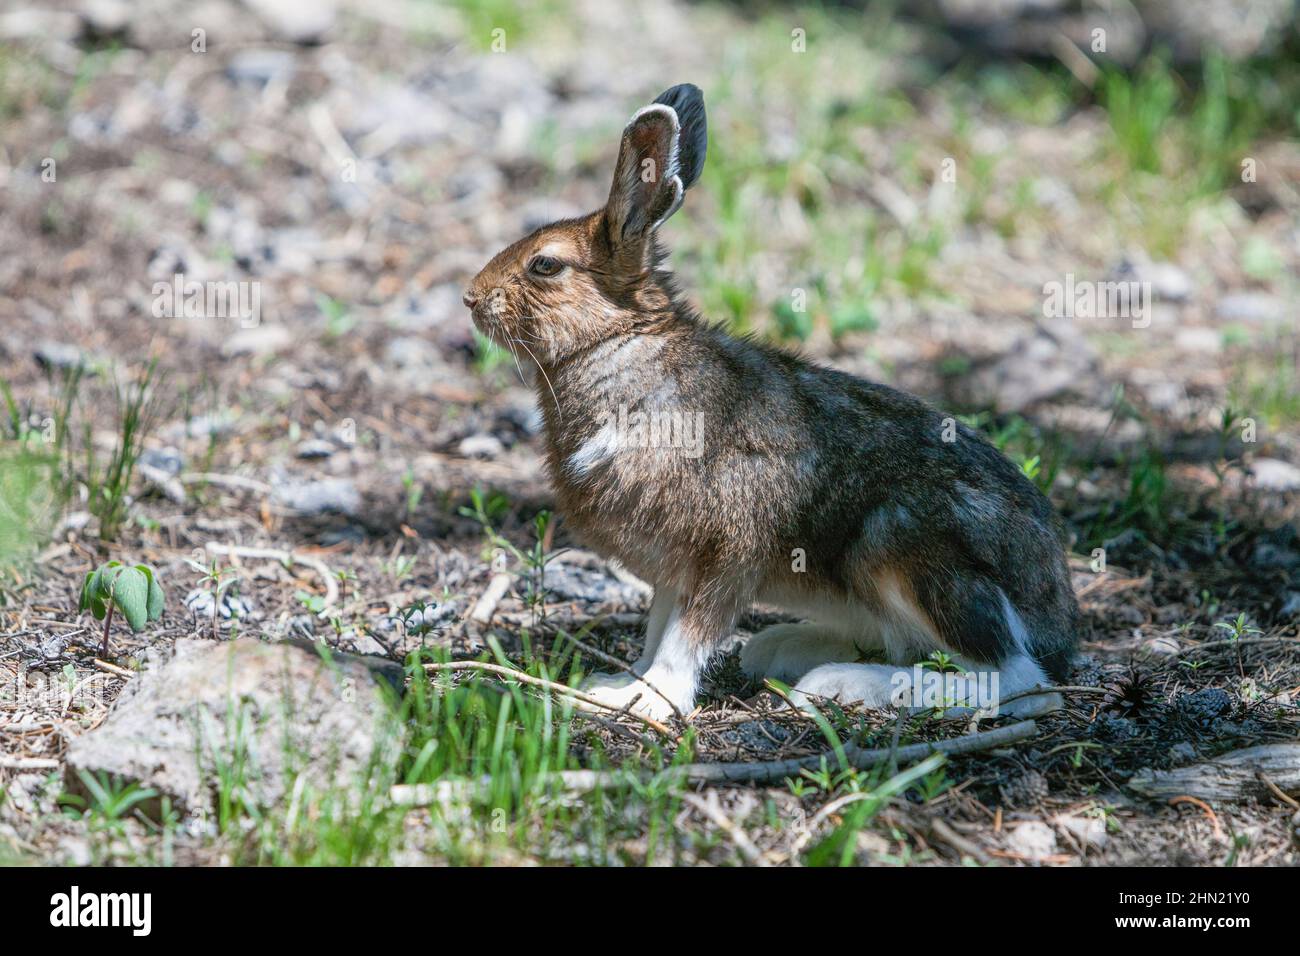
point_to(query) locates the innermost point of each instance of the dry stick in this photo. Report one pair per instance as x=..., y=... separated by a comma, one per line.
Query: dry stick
x=114, y=669
x=772, y=771
x=27, y=763
x=581, y=781
x=550, y=685
x=487, y=603
x=284, y=557
x=1238, y=642
x=1063, y=689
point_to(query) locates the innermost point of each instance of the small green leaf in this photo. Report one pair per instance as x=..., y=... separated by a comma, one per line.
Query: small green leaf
x=131, y=595
x=156, y=596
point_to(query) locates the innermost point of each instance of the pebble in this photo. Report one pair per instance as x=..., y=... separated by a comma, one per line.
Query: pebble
x=232, y=606
x=318, y=497
x=58, y=355
x=314, y=448
x=1271, y=474
x=480, y=446
x=1034, y=839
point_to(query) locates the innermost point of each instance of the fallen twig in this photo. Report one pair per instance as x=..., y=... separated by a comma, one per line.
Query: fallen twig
x=114, y=669
x=28, y=763
x=488, y=601
x=772, y=771
x=581, y=781
x=550, y=685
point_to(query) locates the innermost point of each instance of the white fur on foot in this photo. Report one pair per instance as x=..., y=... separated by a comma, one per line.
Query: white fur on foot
x=618, y=693
x=872, y=685
x=788, y=651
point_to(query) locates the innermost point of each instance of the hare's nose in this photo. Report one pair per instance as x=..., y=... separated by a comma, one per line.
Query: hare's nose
x=470, y=299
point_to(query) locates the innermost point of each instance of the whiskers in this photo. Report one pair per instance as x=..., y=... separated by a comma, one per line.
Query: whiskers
x=545, y=377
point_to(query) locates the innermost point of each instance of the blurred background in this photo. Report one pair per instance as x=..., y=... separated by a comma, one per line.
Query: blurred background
x=894, y=188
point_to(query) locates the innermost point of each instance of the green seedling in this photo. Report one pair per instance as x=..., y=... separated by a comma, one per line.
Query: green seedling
x=132, y=589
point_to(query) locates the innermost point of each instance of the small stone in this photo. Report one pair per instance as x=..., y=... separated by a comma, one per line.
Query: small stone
x=421, y=618
x=1202, y=340
x=1034, y=840
x=1250, y=307
x=261, y=340
x=294, y=20
x=480, y=446
x=1090, y=831
x=1272, y=474
x=231, y=607
x=1182, y=752
x=260, y=66
x=105, y=18
x=314, y=448
x=1163, y=645
x=167, y=460
x=1290, y=606
x=59, y=356
x=318, y=497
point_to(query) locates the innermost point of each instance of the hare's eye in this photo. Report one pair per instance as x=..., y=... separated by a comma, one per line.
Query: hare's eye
x=545, y=266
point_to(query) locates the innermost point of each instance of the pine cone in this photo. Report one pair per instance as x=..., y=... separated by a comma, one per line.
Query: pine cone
x=1027, y=790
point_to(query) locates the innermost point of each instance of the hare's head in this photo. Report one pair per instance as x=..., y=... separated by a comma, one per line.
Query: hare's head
x=576, y=282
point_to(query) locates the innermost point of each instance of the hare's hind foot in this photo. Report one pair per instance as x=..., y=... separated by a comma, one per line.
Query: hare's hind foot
x=977, y=688
x=789, y=651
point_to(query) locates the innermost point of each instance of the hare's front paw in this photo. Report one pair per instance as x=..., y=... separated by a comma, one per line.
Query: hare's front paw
x=620, y=690
x=616, y=679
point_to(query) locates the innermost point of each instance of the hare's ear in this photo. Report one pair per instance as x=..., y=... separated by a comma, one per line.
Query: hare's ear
x=661, y=154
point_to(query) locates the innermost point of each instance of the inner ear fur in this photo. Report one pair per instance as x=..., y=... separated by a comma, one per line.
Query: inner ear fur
x=647, y=186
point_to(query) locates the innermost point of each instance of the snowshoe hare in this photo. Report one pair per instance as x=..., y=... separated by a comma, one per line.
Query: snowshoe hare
x=725, y=471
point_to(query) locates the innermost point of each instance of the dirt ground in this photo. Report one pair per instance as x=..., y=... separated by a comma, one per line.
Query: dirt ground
x=361, y=180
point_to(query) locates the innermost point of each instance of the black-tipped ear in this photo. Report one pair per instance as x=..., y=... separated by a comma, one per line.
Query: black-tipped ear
x=687, y=100
x=661, y=154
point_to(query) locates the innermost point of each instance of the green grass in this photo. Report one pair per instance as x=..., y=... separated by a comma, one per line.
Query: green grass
x=1268, y=393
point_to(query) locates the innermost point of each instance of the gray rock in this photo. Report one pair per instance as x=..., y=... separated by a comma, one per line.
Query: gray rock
x=1290, y=606
x=260, y=340
x=230, y=607
x=166, y=460
x=480, y=446
x=278, y=710
x=58, y=356
x=1250, y=307
x=420, y=618
x=259, y=66
x=1271, y=474
x=318, y=497
x=1040, y=366
x=314, y=448
x=295, y=20
x=571, y=582
x=1034, y=839
x=106, y=18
